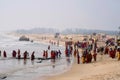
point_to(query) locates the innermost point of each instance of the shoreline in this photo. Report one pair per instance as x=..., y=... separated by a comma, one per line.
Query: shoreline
x=37, y=39
x=105, y=69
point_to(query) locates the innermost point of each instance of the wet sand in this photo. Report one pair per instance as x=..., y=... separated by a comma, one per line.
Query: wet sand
x=103, y=69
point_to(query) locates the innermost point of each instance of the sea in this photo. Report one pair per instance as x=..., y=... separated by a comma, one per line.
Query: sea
x=14, y=69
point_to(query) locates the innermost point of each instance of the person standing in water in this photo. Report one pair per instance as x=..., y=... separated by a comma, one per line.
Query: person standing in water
x=33, y=56
x=59, y=52
x=0, y=53
x=14, y=54
x=4, y=54
x=19, y=56
x=25, y=55
x=49, y=47
x=44, y=53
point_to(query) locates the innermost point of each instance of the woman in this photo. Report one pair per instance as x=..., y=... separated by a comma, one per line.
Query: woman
x=33, y=56
x=4, y=54
x=95, y=56
x=118, y=54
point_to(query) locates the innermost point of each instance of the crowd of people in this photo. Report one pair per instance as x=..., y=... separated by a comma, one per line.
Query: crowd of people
x=54, y=54
x=88, y=53
x=91, y=50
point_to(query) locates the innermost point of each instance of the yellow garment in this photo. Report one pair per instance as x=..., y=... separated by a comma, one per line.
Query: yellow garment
x=118, y=55
x=83, y=59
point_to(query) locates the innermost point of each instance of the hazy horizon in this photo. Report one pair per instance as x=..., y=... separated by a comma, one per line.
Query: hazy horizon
x=61, y=14
x=64, y=29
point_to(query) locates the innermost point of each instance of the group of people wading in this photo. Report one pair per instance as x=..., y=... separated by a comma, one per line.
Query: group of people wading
x=17, y=55
x=54, y=54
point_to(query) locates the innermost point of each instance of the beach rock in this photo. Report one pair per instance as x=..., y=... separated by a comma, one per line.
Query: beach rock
x=24, y=38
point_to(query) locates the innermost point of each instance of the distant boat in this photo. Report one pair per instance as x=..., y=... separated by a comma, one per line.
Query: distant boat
x=24, y=38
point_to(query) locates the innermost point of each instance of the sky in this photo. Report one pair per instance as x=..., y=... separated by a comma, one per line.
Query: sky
x=59, y=14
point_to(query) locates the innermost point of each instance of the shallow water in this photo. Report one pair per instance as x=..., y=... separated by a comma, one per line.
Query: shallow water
x=13, y=69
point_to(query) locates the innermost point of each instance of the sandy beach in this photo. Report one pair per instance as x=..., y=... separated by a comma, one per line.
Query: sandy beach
x=103, y=69
x=59, y=39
